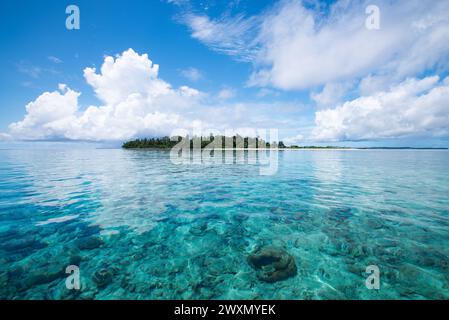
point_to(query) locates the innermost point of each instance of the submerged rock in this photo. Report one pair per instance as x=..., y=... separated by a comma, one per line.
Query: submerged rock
x=75, y=260
x=45, y=276
x=102, y=277
x=273, y=264
x=89, y=243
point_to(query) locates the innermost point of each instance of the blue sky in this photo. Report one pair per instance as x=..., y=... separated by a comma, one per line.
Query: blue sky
x=312, y=69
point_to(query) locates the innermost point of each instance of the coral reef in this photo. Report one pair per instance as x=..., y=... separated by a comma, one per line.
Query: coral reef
x=273, y=264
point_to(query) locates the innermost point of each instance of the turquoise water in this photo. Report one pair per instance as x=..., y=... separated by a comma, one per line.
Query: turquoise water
x=140, y=227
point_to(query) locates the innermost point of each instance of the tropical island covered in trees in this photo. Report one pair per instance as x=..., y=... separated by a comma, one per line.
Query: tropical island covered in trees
x=238, y=142
x=168, y=143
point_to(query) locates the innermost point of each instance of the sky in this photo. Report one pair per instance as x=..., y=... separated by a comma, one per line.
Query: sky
x=349, y=73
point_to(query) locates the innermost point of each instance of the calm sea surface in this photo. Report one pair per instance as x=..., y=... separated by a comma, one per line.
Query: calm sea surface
x=141, y=227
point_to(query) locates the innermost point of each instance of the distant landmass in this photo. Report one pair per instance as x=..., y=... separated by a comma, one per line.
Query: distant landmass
x=401, y=148
x=223, y=142
x=239, y=142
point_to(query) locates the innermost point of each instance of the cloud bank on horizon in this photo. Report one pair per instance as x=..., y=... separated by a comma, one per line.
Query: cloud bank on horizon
x=135, y=102
x=364, y=84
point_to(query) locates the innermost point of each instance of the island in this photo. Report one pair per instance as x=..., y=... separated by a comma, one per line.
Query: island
x=239, y=142
x=219, y=142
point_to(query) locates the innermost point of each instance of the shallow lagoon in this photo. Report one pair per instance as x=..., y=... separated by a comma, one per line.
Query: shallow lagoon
x=141, y=227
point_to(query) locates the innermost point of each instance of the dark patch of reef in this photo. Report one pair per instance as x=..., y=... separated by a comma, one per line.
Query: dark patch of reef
x=273, y=264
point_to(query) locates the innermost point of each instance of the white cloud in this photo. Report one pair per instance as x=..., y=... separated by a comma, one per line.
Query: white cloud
x=191, y=74
x=130, y=73
x=372, y=84
x=226, y=93
x=303, y=50
x=136, y=102
x=331, y=94
x=29, y=70
x=54, y=59
x=229, y=35
x=412, y=108
x=178, y=2
x=264, y=92
x=46, y=114
x=5, y=136
x=297, y=47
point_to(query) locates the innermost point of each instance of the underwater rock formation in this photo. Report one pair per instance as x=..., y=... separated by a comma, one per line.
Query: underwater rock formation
x=273, y=264
x=89, y=243
x=102, y=278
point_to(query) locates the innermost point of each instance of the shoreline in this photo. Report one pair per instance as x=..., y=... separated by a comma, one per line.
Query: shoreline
x=305, y=149
x=255, y=149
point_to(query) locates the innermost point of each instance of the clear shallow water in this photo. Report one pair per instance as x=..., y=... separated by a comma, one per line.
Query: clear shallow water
x=166, y=231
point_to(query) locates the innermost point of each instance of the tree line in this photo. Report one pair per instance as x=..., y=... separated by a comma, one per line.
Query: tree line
x=219, y=142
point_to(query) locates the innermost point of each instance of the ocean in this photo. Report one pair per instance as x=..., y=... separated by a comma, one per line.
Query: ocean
x=136, y=225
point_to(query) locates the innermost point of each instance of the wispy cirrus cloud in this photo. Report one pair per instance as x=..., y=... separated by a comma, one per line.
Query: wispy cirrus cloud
x=229, y=35
x=29, y=70
x=54, y=59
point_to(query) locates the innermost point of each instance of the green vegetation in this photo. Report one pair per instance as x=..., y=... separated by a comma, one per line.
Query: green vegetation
x=219, y=142
x=156, y=143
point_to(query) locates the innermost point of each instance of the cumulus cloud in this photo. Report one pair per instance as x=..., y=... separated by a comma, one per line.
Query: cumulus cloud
x=128, y=74
x=302, y=50
x=135, y=102
x=415, y=107
x=45, y=116
x=331, y=94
